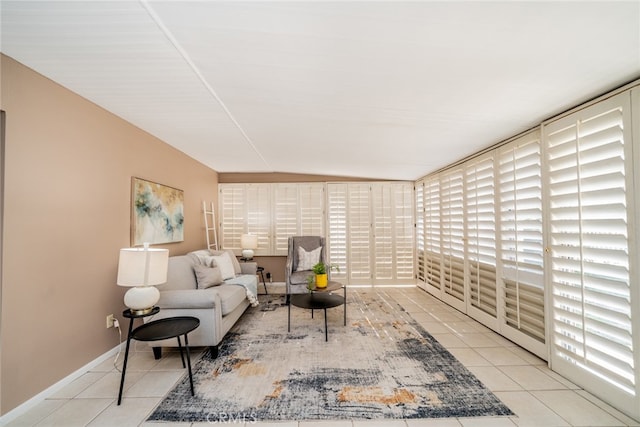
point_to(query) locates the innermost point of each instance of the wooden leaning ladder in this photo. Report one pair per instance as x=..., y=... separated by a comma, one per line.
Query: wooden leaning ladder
x=210, y=226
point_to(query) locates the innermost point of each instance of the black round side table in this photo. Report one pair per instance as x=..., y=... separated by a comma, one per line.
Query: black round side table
x=170, y=327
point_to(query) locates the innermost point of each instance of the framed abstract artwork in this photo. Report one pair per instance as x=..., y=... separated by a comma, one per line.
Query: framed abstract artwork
x=157, y=213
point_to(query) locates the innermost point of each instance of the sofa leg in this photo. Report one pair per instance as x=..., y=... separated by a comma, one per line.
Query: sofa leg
x=214, y=351
x=157, y=352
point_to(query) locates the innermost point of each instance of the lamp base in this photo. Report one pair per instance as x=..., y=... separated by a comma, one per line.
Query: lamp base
x=247, y=254
x=141, y=299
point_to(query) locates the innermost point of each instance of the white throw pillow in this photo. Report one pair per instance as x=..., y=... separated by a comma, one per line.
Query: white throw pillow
x=306, y=260
x=224, y=263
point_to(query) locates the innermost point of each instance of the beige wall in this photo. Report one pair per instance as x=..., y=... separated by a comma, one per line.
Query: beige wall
x=67, y=177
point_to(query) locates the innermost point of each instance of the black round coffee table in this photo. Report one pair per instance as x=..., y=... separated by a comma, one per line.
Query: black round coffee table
x=316, y=301
x=170, y=327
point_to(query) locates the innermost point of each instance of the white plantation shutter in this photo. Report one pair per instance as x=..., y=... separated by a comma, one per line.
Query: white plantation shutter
x=298, y=211
x=403, y=232
x=231, y=202
x=285, y=209
x=481, y=235
x=452, y=211
x=311, y=202
x=521, y=242
x=337, y=195
x=420, y=230
x=383, y=261
x=258, y=215
x=359, y=233
x=590, y=163
x=433, y=236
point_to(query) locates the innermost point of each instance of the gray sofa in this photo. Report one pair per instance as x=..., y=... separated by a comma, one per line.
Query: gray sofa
x=218, y=306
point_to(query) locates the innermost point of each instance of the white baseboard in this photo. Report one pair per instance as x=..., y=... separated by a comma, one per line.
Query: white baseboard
x=38, y=398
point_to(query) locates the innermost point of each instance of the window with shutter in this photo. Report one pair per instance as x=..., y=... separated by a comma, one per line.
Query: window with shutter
x=420, y=230
x=481, y=235
x=403, y=232
x=231, y=202
x=521, y=242
x=337, y=241
x=433, y=236
x=285, y=211
x=452, y=211
x=359, y=241
x=589, y=168
x=258, y=215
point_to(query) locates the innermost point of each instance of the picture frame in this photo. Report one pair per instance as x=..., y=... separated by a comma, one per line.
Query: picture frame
x=157, y=213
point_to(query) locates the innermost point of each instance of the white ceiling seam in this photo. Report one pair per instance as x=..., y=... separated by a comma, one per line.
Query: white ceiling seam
x=204, y=81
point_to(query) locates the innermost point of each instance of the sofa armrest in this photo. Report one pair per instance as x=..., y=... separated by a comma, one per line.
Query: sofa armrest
x=189, y=298
x=249, y=268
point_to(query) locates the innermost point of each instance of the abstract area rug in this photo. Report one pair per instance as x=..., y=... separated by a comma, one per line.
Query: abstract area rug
x=381, y=365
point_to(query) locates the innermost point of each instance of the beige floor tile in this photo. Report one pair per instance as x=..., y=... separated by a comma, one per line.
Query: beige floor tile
x=527, y=356
x=450, y=340
x=477, y=340
x=434, y=327
x=154, y=384
x=464, y=327
x=487, y=422
x=494, y=379
x=469, y=357
x=434, y=422
x=379, y=423
x=340, y=423
x=78, y=385
x=532, y=378
x=109, y=385
x=38, y=413
x=500, y=356
x=76, y=412
x=272, y=424
x=131, y=412
x=628, y=421
x=530, y=412
x=574, y=408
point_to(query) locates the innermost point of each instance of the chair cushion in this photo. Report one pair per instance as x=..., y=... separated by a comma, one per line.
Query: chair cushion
x=300, y=277
x=230, y=297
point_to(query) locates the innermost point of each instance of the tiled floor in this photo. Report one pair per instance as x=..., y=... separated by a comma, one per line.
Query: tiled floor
x=523, y=382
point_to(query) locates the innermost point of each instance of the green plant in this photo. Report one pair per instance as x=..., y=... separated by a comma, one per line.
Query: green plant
x=321, y=268
x=311, y=282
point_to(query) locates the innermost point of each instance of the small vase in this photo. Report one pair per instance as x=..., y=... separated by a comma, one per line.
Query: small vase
x=321, y=281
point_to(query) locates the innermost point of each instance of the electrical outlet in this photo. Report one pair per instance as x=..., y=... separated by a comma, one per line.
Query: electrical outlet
x=110, y=321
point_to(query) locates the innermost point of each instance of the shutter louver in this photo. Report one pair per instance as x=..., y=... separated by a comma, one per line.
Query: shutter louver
x=481, y=235
x=232, y=215
x=359, y=211
x=420, y=231
x=433, y=235
x=453, y=235
x=285, y=215
x=258, y=205
x=403, y=232
x=337, y=241
x=521, y=239
x=590, y=277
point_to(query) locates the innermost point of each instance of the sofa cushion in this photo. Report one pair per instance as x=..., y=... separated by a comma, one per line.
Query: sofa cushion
x=207, y=276
x=186, y=299
x=180, y=274
x=230, y=296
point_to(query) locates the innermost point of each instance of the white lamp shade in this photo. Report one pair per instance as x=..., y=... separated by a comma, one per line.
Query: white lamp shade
x=249, y=241
x=142, y=266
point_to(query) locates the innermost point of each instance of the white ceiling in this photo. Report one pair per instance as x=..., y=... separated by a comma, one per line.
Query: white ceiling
x=384, y=90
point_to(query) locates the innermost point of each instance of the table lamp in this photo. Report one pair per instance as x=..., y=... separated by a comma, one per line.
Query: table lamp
x=141, y=269
x=248, y=242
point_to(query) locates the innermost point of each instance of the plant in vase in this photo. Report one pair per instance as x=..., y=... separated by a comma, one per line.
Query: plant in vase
x=311, y=283
x=320, y=270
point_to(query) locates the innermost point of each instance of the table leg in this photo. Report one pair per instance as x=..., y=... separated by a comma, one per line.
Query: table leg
x=180, y=347
x=186, y=344
x=326, y=334
x=344, y=288
x=289, y=318
x=126, y=357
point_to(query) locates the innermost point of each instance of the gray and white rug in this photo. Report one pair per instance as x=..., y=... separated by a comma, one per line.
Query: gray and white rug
x=381, y=365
